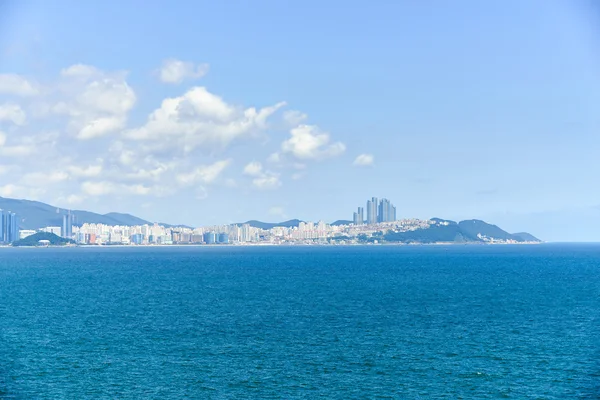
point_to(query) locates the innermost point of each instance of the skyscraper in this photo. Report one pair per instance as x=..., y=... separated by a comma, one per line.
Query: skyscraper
x=372, y=211
x=9, y=227
x=359, y=217
x=377, y=211
x=67, y=226
x=385, y=211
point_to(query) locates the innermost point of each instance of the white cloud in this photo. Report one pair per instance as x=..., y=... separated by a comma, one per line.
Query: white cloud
x=12, y=190
x=294, y=117
x=200, y=119
x=176, y=71
x=100, y=126
x=12, y=113
x=44, y=178
x=91, y=171
x=162, y=156
x=80, y=71
x=262, y=179
x=103, y=188
x=253, y=169
x=364, y=160
x=267, y=181
x=17, y=151
x=74, y=199
x=98, y=188
x=308, y=142
x=298, y=175
x=203, y=173
x=13, y=84
x=97, y=103
x=274, y=158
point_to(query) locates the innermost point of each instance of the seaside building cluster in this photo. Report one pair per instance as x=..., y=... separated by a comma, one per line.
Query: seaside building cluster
x=380, y=219
x=304, y=233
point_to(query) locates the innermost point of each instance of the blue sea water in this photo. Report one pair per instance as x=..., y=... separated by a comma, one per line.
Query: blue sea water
x=470, y=322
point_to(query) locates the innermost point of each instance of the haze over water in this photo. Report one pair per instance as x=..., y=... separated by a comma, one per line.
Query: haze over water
x=301, y=322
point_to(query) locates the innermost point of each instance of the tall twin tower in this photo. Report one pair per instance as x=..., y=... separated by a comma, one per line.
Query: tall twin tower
x=377, y=211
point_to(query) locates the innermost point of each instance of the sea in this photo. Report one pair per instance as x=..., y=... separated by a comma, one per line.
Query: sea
x=301, y=322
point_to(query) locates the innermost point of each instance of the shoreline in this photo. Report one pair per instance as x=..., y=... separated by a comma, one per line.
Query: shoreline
x=95, y=246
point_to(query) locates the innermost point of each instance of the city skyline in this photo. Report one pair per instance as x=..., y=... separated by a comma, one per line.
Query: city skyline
x=377, y=211
x=251, y=115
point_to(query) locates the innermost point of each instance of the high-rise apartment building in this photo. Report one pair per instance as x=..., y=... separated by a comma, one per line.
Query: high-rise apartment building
x=372, y=211
x=377, y=211
x=67, y=226
x=9, y=227
x=359, y=217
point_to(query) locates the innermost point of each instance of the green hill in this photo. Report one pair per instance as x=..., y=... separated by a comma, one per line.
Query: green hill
x=34, y=240
x=526, y=237
x=269, y=225
x=470, y=231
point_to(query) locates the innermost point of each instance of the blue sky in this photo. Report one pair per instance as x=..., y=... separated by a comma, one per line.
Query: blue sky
x=204, y=112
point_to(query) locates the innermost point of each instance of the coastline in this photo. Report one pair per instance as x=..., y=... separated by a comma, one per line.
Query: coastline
x=195, y=245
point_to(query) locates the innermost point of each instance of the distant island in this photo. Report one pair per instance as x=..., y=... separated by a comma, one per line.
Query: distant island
x=58, y=227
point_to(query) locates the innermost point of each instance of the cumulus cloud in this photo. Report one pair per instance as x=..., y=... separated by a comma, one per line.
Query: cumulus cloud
x=308, y=142
x=253, y=169
x=268, y=180
x=182, y=145
x=90, y=171
x=18, y=191
x=96, y=103
x=16, y=85
x=176, y=71
x=103, y=188
x=12, y=113
x=200, y=119
x=263, y=179
x=364, y=160
x=44, y=178
x=203, y=173
x=80, y=71
x=294, y=117
x=98, y=188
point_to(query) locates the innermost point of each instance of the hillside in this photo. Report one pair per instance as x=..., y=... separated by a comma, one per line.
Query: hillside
x=36, y=215
x=269, y=225
x=469, y=231
x=341, y=222
x=34, y=240
x=527, y=237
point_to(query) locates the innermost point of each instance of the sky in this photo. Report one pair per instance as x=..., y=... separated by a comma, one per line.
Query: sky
x=204, y=112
